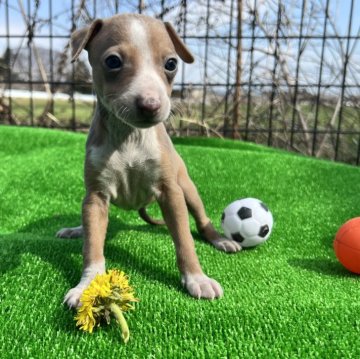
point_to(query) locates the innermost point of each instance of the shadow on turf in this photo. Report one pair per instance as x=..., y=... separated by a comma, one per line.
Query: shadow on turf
x=322, y=266
x=38, y=238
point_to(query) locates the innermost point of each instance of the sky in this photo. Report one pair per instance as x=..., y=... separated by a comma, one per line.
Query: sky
x=217, y=68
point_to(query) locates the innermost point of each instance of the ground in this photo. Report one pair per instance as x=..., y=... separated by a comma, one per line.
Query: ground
x=286, y=298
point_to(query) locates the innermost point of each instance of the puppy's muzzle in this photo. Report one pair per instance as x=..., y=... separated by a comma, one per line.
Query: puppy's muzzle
x=148, y=106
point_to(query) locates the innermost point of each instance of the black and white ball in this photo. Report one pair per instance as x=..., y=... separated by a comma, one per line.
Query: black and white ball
x=247, y=221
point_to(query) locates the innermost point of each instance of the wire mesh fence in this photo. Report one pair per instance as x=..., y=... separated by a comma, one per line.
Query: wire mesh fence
x=280, y=73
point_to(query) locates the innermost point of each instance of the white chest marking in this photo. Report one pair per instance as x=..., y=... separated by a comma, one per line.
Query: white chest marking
x=129, y=174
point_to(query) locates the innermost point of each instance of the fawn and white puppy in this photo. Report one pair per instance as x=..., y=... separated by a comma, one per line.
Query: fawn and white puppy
x=130, y=160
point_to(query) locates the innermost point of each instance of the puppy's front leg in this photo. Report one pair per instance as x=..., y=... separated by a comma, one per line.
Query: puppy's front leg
x=95, y=220
x=174, y=210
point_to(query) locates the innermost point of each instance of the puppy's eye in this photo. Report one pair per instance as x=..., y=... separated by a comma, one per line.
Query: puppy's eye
x=171, y=65
x=113, y=62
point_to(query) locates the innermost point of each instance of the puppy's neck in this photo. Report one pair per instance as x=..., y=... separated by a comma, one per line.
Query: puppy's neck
x=114, y=131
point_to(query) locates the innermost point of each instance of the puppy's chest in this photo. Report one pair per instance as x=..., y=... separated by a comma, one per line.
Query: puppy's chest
x=128, y=174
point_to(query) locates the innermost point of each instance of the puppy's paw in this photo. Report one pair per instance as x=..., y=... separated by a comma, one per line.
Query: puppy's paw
x=74, y=232
x=72, y=297
x=201, y=286
x=227, y=245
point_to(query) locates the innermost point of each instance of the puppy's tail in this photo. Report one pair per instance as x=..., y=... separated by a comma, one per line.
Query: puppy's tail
x=143, y=214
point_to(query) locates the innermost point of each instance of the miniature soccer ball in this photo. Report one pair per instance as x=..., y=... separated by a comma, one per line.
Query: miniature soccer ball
x=247, y=221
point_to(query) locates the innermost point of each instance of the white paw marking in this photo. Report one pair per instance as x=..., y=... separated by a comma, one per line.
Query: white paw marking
x=227, y=245
x=74, y=232
x=72, y=297
x=201, y=286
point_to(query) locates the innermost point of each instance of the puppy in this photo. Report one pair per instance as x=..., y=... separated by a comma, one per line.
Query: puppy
x=130, y=160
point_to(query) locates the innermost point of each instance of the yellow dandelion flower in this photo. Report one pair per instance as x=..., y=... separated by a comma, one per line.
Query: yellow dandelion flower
x=108, y=293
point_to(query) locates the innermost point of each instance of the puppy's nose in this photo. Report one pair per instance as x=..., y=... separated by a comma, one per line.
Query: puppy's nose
x=148, y=105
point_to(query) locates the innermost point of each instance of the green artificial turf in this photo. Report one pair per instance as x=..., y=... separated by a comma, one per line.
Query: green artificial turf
x=287, y=298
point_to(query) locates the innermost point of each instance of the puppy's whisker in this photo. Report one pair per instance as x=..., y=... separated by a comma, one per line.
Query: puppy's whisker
x=122, y=112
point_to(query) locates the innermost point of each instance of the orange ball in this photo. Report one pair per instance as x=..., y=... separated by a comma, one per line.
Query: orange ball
x=347, y=245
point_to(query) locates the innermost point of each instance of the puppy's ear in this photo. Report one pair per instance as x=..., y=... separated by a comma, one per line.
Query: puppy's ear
x=180, y=47
x=81, y=38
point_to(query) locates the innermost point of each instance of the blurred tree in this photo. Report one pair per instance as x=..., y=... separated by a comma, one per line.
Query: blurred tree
x=6, y=71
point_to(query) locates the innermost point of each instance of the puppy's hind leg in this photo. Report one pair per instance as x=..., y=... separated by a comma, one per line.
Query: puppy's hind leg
x=74, y=232
x=197, y=210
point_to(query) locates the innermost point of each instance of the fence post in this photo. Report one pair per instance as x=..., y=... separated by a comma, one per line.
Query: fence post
x=237, y=95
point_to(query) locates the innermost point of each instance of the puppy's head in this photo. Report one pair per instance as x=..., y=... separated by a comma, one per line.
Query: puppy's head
x=134, y=59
